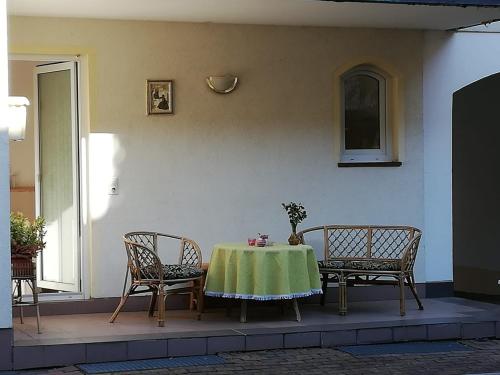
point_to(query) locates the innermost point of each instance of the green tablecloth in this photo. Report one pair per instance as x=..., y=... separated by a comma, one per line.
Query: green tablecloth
x=262, y=273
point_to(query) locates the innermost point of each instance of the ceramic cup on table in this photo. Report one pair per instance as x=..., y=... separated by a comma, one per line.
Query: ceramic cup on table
x=261, y=242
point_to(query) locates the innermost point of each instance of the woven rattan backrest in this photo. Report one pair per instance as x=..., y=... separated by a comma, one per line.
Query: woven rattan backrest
x=189, y=251
x=346, y=242
x=362, y=242
x=144, y=264
x=390, y=242
x=147, y=239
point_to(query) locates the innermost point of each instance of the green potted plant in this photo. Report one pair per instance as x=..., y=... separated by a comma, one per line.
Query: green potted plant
x=296, y=213
x=26, y=237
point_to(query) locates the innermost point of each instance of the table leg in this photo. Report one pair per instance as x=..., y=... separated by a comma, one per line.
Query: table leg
x=297, y=311
x=243, y=312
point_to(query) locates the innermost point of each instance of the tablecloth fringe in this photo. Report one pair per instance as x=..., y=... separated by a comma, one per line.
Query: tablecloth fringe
x=263, y=298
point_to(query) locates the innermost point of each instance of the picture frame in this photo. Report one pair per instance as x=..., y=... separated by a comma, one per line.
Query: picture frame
x=160, y=97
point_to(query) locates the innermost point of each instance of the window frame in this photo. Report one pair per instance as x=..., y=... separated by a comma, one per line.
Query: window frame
x=366, y=155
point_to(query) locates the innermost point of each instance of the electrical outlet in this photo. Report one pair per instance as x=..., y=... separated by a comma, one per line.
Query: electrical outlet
x=113, y=186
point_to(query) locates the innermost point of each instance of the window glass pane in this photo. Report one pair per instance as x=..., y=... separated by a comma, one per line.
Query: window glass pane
x=361, y=112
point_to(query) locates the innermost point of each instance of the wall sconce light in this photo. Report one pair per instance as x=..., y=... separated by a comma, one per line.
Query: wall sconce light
x=16, y=117
x=222, y=84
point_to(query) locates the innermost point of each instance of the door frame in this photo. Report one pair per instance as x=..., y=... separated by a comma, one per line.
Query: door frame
x=83, y=130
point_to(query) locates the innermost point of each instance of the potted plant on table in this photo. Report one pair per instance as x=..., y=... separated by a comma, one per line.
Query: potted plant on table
x=296, y=213
x=26, y=241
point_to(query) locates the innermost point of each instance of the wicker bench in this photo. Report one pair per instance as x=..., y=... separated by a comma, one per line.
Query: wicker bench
x=366, y=255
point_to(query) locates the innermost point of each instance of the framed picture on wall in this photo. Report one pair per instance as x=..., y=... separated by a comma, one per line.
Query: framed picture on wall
x=160, y=94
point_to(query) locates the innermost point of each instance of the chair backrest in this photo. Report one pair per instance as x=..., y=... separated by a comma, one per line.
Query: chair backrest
x=367, y=242
x=143, y=262
x=189, y=251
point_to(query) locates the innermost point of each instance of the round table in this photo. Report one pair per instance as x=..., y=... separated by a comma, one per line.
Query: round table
x=277, y=272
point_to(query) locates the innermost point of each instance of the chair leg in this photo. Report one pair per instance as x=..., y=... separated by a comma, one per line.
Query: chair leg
x=20, y=299
x=342, y=295
x=297, y=311
x=324, y=287
x=243, y=311
x=36, y=302
x=191, y=301
x=120, y=305
x=162, y=299
x=38, y=318
x=152, y=303
x=401, y=280
x=199, y=300
x=411, y=283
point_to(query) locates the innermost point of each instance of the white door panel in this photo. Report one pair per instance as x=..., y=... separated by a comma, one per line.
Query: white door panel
x=57, y=175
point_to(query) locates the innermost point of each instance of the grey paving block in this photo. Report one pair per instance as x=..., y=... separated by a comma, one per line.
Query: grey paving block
x=106, y=352
x=263, y=342
x=497, y=330
x=63, y=355
x=338, y=338
x=374, y=335
x=225, y=344
x=28, y=357
x=478, y=330
x=302, y=340
x=146, y=349
x=444, y=331
x=6, y=349
x=187, y=346
x=409, y=333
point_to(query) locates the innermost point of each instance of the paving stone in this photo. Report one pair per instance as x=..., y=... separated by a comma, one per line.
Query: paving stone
x=225, y=344
x=446, y=331
x=28, y=357
x=64, y=354
x=143, y=349
x=106, y=352
x=302, y=340
x=478, y=330
x=338, y=338
x=261, y=342
x=185, y=347
x=410, y=333
x=6, y=349
x=374, y=335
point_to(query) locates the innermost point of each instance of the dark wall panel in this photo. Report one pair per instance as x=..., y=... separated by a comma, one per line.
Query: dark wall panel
x=476, y=189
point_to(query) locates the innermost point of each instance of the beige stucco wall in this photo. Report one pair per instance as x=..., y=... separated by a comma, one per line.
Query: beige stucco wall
x=219, y=168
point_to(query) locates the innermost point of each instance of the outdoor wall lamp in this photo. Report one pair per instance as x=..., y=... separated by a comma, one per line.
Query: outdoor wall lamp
x=222, y=84
x=16, y=117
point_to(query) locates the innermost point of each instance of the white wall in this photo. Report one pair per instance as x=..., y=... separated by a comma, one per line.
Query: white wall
x=451, y=61
x=218, y=169
x=22, y=154
x=5, y=286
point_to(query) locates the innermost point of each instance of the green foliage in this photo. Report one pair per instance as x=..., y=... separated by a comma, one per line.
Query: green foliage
x=296, y=213
x=26, y=237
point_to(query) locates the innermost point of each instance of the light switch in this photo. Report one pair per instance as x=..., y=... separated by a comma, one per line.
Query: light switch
x=113, y=186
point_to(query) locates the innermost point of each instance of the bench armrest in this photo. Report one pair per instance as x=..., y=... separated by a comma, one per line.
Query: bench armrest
x=410, y=253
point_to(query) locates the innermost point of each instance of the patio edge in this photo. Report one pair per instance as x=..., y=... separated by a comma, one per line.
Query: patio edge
x=39, y=356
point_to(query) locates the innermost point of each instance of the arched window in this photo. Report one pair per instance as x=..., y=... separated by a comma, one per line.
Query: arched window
x=364, y=116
